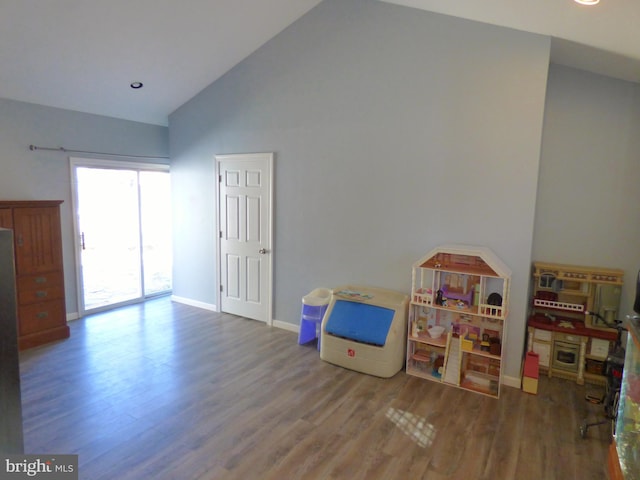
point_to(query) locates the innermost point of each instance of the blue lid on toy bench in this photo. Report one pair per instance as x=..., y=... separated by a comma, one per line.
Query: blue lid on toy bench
x=360, y=322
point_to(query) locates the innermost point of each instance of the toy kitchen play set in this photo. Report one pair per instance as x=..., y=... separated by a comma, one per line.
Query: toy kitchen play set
x=570, y=327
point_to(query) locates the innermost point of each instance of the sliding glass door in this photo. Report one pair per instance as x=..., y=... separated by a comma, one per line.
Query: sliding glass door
x=123, y=232
x=155, y=216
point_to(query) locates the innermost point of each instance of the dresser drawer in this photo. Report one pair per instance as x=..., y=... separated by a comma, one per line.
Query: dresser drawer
x=41, y=316
x=40, y=288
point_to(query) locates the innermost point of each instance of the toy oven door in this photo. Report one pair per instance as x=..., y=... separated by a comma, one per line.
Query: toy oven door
x=565, y=355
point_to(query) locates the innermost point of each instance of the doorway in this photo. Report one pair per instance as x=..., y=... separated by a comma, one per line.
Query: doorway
x=245, y=199
x=123, y=232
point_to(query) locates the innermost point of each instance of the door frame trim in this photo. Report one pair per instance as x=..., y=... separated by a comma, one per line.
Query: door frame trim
x=239, y=157
x=97, y=163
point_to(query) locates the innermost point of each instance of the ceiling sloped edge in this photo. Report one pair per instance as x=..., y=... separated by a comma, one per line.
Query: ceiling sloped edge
x=594, y=60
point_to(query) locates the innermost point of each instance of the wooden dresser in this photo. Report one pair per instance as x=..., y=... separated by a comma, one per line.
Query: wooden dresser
x=39, y=269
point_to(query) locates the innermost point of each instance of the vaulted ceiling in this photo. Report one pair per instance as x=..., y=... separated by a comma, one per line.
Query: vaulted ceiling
x=83, y=55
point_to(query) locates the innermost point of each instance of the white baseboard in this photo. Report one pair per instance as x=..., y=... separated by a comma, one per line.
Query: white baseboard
x=514, y=382
x=187, y=301
x=286, y=326
x=194, y=303
x=208, y=306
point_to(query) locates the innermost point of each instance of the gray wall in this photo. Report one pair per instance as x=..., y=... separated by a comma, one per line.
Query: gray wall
x=44, y=175
x=395, y=130
x=589, y=189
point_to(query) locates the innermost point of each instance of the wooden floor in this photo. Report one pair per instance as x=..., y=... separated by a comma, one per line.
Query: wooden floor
x=167, y=391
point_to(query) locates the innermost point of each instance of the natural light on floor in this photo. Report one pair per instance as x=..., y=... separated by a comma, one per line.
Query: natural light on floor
x=415, y=427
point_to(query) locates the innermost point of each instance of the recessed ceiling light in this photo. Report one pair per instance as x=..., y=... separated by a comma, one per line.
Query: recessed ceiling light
x=587, y=2
x=136, y=85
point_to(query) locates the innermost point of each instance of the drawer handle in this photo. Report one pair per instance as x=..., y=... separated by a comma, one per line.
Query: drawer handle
x=41, y=279
x=42, y=314
x=41, y=293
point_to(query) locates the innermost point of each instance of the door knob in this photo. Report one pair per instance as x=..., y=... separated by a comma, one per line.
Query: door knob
x=262, y=251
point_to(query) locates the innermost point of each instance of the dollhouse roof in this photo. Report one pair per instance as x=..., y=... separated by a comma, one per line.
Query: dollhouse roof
x=465, y=259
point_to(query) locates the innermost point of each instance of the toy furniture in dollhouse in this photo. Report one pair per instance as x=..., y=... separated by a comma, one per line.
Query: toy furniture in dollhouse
x=465, y=290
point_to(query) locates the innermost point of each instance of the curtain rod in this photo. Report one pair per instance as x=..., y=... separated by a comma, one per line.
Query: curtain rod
x=65, y=150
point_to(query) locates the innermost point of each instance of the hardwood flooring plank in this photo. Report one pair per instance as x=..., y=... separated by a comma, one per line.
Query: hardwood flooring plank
x=310, y=457
x=286, y=457
x=168, y=391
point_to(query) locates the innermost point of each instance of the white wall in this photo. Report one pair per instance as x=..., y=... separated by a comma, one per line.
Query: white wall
x=44, y=175
x=395, y=130
x=588, y=198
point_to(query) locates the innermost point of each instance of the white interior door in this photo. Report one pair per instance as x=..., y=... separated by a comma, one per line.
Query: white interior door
x=245, y=219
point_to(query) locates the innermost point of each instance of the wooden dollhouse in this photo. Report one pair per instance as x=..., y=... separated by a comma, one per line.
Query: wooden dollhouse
x=461, y=292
